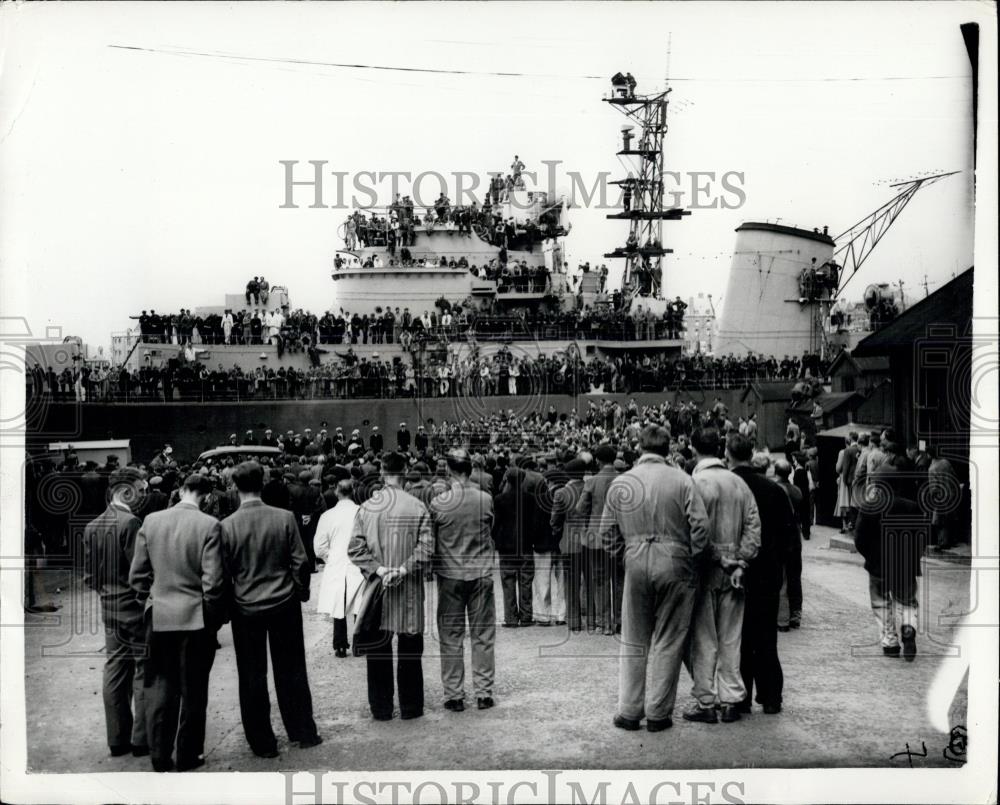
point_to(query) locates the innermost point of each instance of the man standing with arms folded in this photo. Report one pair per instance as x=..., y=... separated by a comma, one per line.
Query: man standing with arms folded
x=108, y=548
x=177, y=571
x=393, y=539
x=462, y=518
x=734, y=533
x=267, y=565
x=656, y=511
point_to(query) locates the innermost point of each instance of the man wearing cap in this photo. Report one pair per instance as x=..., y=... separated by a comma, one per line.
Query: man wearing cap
x=177, y=573
x=248, y=438
x=375, y=441
x=421, y=440
x=108, y=549
x=462, y=518
x=603, y=572
x=393, y=540
x=324, y=442
x=403, y=438
x=654, y=511
x=269, y=439
x=268, y=570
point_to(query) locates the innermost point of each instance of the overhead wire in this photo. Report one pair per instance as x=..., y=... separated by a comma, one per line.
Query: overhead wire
x=508, y=73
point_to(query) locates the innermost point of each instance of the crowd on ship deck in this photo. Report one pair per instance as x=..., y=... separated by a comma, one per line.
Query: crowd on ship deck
x=437, y=370
x=298, y=329
x=397, y=228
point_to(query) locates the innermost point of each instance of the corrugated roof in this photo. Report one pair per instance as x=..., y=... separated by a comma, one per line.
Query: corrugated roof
x=949, y=304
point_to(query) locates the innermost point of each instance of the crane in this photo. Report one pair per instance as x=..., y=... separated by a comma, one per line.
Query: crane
x=864, y=236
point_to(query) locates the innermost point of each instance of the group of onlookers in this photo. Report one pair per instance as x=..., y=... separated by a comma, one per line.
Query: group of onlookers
x=665, y=524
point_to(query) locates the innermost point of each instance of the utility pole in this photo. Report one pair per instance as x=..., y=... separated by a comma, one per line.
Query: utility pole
x=902, y=299
x=926, y=291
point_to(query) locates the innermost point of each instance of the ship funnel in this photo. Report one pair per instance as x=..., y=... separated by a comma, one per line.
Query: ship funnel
x=765, y=311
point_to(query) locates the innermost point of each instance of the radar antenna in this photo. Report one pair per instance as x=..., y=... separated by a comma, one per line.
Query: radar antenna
x=642, y=189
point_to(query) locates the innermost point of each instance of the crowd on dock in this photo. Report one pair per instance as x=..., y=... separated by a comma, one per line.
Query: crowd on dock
x=664, y=525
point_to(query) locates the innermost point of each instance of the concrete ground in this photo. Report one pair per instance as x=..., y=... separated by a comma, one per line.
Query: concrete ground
x=845, y=704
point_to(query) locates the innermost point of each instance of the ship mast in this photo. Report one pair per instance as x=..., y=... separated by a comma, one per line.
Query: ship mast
x=642, y=189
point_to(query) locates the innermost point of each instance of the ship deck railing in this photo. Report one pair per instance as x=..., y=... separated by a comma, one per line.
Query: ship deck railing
x=378, y=238
x=425, y=386
x=489, y=329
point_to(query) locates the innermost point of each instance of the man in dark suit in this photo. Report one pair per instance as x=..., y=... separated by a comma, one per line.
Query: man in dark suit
x=94, y=490
x=793, y=560
x=517, y=517
x=403, y=438
x=177, y=573
x=421, y=440
x=108, y=548
x=154, y=501
x=759, y=649
x=275, y=493
x=267, y=567
x=307, y=504
x=375, y=441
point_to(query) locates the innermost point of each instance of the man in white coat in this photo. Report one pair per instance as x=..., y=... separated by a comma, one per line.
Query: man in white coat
x=341, y=577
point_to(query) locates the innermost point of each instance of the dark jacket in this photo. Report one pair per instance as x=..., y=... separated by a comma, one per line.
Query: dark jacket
x=778, y=527
x=892, y=538
x=276, y=494
x=264, y=559
x=517, y=515
x=154, y=501
x=108, y=549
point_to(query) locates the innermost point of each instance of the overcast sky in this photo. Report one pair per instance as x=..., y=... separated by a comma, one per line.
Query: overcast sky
x=134, y=179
